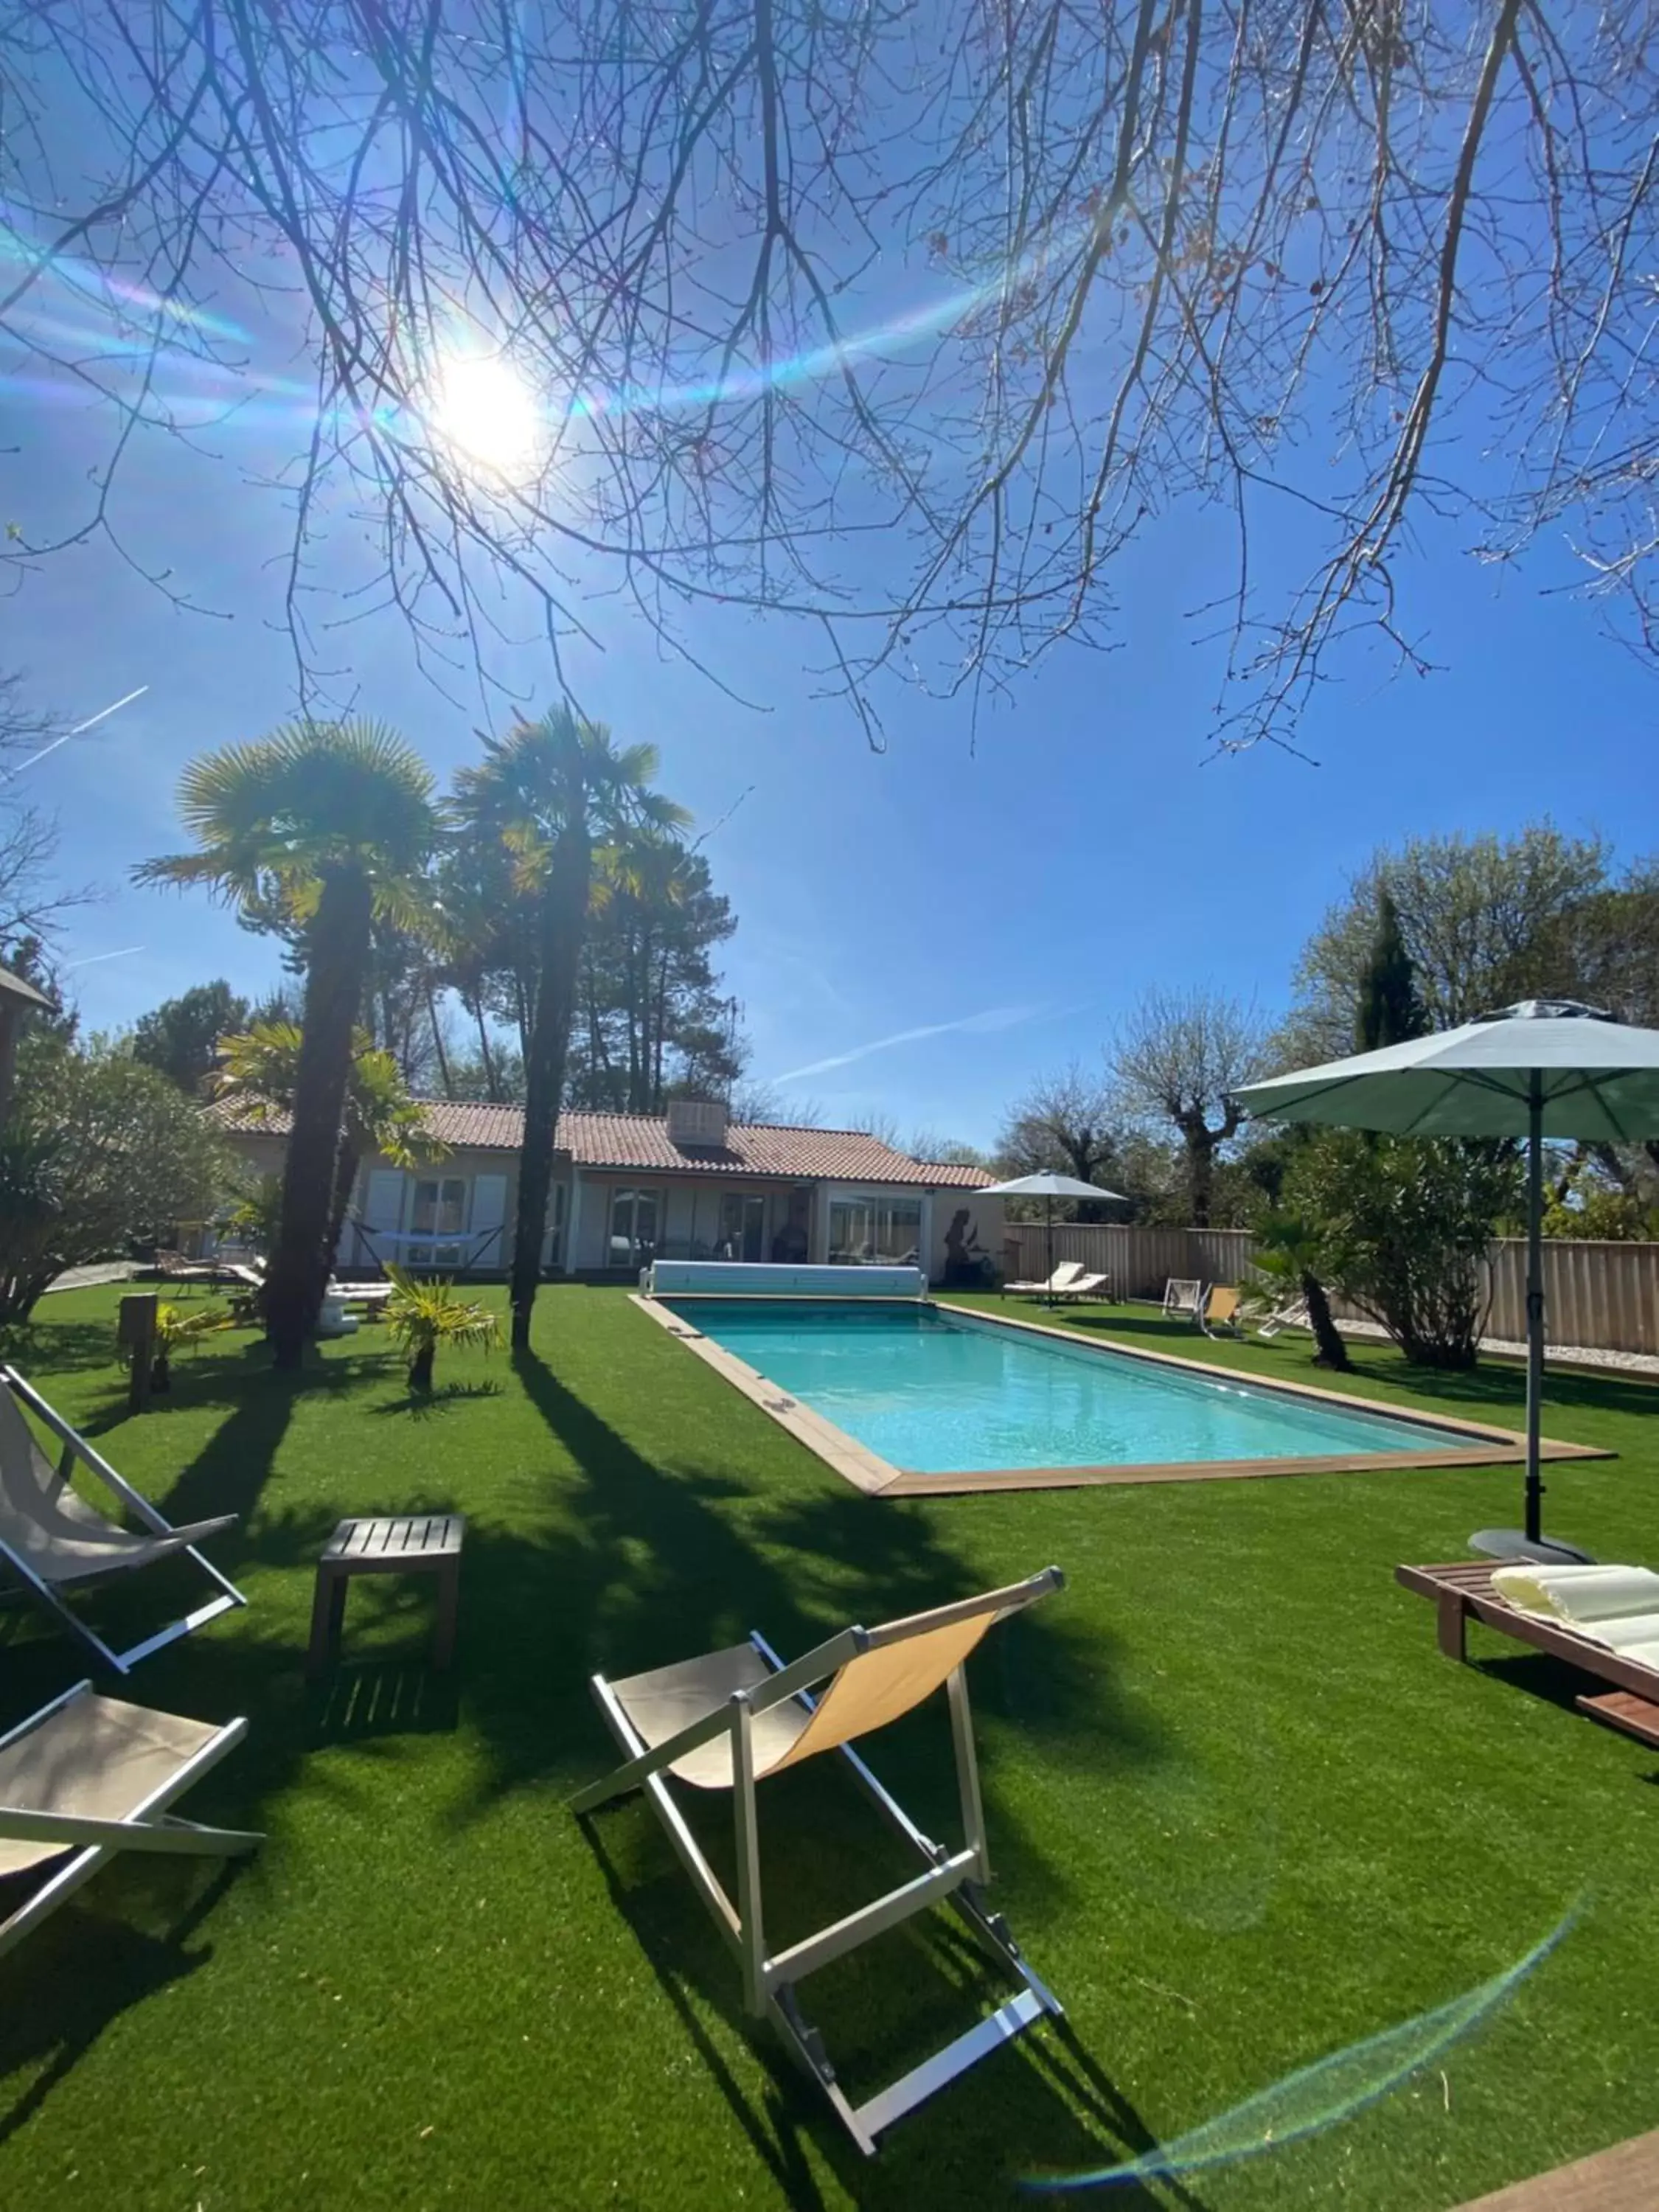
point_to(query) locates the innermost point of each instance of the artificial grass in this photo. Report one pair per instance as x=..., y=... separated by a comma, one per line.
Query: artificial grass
x=1242, y=1813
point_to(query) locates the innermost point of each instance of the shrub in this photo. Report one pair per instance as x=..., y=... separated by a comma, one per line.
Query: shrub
x=97, y=1153
x=1404, y=1223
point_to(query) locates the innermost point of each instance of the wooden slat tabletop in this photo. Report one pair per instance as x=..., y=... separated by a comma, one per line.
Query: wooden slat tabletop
x=402, y=1541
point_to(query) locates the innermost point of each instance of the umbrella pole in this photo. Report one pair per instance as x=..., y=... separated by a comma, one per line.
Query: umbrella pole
x=1535, y=1308
x=1048, y=1249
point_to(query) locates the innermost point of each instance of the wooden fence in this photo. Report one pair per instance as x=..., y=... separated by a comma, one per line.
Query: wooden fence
x=1596, y=1296
x=1138, y=1261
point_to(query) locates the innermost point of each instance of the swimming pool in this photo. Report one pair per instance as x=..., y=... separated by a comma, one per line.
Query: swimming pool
x=934, y=1391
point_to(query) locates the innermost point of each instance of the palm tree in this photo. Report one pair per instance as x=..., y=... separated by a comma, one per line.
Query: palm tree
x=260, y=1070
x=422, y=1315
x=561, y=798
x=328, y=825
x=1288, y=1263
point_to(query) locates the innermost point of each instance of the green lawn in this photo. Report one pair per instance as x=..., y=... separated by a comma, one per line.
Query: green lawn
x=1242, y=1812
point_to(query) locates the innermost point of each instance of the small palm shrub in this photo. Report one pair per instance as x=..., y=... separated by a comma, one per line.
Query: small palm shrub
x=422, y=1315
x=176, y=1326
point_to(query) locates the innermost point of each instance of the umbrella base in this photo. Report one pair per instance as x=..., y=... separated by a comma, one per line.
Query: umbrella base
x=1515, y=1544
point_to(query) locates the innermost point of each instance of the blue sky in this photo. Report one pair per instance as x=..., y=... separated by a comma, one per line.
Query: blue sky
x=922, y=931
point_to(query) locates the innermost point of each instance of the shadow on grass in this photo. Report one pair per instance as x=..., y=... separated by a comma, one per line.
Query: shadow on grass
x=375, y=1697
x=58, y=1347
x=1043, y=2107
x=86, y=1969
x=646, y=1571
x=607, y=1556
x=425, y=1405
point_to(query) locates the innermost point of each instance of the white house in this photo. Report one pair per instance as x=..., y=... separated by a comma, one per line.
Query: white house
x=628, y=1188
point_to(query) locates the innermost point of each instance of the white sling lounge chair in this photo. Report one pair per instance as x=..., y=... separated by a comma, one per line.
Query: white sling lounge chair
x=729, y=1720
x=1182, y=1294
x=1067, y=1273
x=51, y=1539
x=1293, y=1315
x=89, y=1777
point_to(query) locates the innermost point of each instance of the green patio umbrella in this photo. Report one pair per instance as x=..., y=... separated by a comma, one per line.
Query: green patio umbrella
x=1048, y=1188
x=1548, y=1067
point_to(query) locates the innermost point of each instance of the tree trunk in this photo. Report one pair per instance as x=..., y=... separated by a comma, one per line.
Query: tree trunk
x=486, y=1059
x=339, y=942
x=564, y=918
x=1201, y=1171
x=444, y=1076
x=347, y=1161
x=419, y=1367
x=19, y=1294
x=1329, y=1350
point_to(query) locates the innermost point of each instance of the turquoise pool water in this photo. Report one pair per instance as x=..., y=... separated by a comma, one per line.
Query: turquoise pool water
x=942, y=1394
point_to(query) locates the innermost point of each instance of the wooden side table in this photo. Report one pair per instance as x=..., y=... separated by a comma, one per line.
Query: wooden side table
x=413, y=1544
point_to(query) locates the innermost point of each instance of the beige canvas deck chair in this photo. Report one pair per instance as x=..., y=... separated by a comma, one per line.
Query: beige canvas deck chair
x=1182, y=1294
x=1219, y=1314
x=729, y=1720
x=89, y=1777
x=50, y=1539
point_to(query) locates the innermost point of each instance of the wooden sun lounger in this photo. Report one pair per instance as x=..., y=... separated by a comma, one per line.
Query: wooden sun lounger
x=1463, y=1592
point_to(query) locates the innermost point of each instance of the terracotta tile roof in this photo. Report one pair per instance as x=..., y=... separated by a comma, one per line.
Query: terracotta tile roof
x=639, y=1143
x=642, y=1141
x=461, y=1124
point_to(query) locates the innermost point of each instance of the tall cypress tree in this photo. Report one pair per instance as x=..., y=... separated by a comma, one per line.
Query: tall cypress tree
x=1390, y=1010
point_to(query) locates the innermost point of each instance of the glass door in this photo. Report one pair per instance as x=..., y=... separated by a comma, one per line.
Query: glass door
x=635, y=1215
x=742, y=1226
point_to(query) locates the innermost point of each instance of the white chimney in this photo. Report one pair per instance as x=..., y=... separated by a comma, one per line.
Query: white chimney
x=696, y=1124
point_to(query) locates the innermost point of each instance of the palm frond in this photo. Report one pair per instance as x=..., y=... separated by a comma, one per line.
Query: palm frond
x=269, y=815
x=423, y=1314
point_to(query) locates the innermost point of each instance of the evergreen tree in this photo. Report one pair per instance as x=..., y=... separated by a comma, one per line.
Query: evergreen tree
x=1389, y=1010
x=180, y=1037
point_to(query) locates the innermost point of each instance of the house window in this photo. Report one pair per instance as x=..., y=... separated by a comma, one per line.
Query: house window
x=439, y=1208
x=437, y=1222
x=874, y=1232
x=635, y=1218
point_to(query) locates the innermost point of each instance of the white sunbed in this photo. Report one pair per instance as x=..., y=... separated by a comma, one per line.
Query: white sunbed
x=1067, y=1273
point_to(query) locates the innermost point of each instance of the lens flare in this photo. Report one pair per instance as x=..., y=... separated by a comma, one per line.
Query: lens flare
x=1317, y=2096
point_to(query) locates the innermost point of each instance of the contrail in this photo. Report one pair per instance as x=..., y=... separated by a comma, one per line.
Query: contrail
x=91, y=722
x=992, y=1017
x=93, y=958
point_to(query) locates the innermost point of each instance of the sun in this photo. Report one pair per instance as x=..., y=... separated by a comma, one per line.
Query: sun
x=487, y=415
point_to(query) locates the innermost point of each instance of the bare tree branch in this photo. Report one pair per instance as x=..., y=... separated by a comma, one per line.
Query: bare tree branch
x=905, y=320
